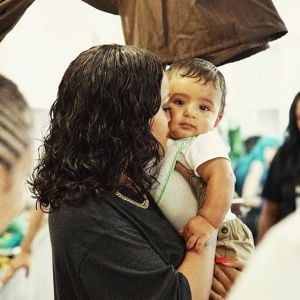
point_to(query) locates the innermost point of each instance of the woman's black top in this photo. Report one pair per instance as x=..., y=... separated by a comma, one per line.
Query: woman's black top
x=109, y=248
x=280, y=183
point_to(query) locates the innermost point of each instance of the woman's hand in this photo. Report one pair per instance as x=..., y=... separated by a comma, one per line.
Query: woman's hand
x=225, y=274
x=22, y=260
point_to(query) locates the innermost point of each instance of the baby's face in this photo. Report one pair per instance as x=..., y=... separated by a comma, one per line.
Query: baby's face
x=194, y=107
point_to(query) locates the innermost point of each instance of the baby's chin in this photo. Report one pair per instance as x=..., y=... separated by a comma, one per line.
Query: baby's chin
x=178, y=136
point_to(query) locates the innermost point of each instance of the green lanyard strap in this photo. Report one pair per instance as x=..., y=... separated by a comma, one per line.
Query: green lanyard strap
x=171, y=169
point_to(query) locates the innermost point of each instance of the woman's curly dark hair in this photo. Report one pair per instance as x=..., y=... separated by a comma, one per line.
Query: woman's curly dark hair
x=100, y=126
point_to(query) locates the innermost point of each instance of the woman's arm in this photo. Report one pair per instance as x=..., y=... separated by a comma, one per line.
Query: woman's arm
x=197, y=267
x=22, y=260
x=268, y=218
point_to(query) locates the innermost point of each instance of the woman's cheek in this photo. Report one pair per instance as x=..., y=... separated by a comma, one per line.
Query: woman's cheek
x=160, y=128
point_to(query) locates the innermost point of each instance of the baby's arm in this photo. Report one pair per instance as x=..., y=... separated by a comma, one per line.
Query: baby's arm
x=219, y=179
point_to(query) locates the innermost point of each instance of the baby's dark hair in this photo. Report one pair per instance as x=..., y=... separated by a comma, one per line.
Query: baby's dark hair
x=15, y=123
x=202, y=70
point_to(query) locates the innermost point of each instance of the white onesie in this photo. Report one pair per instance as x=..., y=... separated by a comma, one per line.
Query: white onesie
x=173, y=194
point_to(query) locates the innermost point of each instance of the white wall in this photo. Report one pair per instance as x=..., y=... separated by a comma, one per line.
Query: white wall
x=261, y=87
x=52, y=33
x=47, y=38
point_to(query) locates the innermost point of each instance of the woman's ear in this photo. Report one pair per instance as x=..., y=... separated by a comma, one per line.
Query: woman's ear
x=219, y=118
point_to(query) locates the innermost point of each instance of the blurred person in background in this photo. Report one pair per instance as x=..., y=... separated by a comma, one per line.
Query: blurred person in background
x=22, y=259
x=16, y=156
x=16, y=151
x=28, y=275
x=250, y=142
x=274, y=270
x=283, y=178
x=251, y=172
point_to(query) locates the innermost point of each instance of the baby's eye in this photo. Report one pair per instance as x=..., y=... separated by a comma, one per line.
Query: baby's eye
x=179, y=101
x=204, y=107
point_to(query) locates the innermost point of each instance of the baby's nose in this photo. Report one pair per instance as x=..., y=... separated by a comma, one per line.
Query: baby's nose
x=190, y=111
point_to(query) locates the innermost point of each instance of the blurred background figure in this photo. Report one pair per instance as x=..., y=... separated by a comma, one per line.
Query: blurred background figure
x=251, y=172
x=250, y=142
x=236, y=144
x=284, y=176
x=33, y=257
x=28, y=275
x=273, y=273
x=16, y=151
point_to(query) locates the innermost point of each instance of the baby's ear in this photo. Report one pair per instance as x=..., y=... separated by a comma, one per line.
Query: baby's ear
x=219, y=118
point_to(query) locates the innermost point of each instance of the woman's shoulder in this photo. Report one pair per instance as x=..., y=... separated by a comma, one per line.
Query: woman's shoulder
x=110, y=217
x=93, y=212
x=75, y=229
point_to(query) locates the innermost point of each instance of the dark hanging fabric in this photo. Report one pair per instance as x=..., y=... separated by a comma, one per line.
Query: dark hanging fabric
x=10, y=13
x=109, y=6
x=219, y=31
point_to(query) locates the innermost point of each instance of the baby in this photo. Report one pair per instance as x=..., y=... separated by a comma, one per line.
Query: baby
x=196, y=105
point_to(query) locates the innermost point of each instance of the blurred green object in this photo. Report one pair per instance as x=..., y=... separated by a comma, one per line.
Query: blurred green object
x=14, y=233
x=236, y=143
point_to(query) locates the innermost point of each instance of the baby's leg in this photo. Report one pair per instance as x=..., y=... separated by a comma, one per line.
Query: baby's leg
x=235, y=239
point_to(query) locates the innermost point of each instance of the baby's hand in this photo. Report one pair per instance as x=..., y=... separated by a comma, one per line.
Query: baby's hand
x=197, y=232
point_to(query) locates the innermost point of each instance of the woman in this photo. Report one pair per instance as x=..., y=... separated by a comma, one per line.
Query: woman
x=106, y=136
x=284, y=175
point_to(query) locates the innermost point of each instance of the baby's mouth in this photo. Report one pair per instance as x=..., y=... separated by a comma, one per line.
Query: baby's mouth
x=187, y=126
